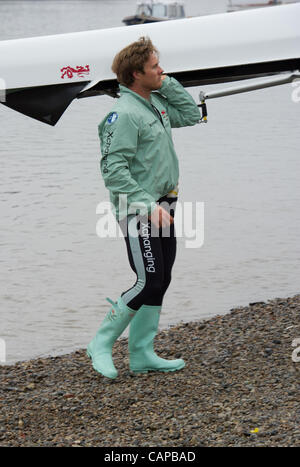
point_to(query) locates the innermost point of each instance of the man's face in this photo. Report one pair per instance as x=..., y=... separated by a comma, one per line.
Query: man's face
x=151, y=80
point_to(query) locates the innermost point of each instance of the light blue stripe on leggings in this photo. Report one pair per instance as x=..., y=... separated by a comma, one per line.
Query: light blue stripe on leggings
x=137, y=259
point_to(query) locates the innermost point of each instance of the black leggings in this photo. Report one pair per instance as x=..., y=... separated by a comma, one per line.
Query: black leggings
x=151, y=255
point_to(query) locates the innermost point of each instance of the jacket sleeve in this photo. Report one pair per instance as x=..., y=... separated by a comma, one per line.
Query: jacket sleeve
x=118, y=138
x=182, y=109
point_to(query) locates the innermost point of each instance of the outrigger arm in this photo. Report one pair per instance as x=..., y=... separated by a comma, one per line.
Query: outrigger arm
x=203, y=96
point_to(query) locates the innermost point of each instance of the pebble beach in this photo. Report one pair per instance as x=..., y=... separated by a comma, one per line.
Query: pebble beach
x=240, y=387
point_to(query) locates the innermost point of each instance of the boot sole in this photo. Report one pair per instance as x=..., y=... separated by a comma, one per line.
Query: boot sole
x=163, y=370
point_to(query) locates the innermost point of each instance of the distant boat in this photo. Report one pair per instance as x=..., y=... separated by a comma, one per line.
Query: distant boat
x=245, y=6
x=154, y=11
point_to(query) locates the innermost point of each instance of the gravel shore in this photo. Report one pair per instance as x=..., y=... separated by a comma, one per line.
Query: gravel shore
x=240, y=387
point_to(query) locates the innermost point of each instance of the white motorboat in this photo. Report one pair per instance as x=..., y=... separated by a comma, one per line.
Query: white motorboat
x=155, y=11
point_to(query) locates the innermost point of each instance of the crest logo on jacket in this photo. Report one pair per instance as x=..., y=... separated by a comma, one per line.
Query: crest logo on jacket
x=164, y=115
x=112, y=118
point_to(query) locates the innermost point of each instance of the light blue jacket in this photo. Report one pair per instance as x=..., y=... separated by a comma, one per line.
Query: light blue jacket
x=138, y=155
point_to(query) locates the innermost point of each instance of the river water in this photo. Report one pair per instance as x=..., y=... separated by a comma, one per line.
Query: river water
x=55, y=272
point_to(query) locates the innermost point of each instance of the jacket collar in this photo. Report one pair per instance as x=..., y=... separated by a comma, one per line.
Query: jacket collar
x=125, y=90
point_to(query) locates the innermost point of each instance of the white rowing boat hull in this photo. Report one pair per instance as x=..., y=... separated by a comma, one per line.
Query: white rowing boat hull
x=42, y=75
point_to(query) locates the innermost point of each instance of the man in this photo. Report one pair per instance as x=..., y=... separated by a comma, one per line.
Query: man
x=140, y=168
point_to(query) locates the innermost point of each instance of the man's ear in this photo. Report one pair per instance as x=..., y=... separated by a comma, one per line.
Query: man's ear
x=136, y=75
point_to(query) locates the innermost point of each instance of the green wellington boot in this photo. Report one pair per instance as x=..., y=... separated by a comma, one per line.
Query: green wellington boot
x=143, y=329
x=100, y=348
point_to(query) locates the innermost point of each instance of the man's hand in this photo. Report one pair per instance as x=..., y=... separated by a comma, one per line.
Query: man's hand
x=162, y=78
x=161, y=218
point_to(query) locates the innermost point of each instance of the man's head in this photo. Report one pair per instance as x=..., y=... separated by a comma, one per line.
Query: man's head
x=138, y=63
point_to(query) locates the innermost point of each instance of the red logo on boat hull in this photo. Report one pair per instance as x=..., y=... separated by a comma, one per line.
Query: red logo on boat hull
x=70, y=71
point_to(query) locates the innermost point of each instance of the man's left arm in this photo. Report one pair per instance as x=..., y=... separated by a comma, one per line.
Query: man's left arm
x=182, y=109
